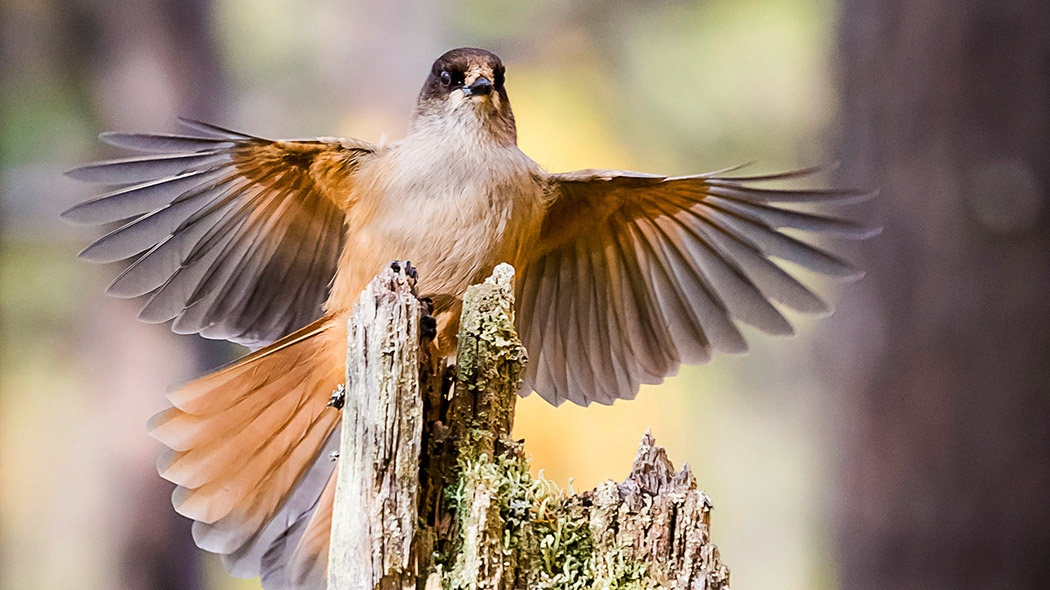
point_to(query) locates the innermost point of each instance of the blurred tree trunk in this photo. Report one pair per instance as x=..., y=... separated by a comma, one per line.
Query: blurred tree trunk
x=946, y=470
x=138, y=66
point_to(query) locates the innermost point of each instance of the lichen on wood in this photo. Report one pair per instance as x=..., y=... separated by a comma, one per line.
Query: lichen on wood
x=482, y=520
x=651, y=531
x=490, y=361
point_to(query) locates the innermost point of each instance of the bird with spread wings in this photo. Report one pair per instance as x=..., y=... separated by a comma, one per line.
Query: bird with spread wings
x=623, y=277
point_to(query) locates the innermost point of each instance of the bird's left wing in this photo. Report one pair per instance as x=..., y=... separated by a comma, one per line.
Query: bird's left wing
x=638, y=273
x=236, y=237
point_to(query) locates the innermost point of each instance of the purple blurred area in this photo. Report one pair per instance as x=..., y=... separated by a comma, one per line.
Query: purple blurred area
x=904, y=442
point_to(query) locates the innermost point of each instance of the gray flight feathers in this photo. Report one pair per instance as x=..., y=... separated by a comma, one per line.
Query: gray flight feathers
x=227, y=243
x=268, y=552
x=663, y=270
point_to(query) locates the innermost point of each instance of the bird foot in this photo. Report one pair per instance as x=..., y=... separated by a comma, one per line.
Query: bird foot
x=427, y=322
x=338, y=397
x=428, y=326
x=410, y=271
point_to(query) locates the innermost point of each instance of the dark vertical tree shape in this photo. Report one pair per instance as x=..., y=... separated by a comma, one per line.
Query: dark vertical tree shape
x=105, y=36
x=946, y=472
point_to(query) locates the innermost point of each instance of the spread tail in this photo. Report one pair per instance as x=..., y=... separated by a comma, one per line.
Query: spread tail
x=249, y=448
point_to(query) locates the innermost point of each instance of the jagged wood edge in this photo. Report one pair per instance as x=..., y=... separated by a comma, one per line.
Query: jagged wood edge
x=483, y=521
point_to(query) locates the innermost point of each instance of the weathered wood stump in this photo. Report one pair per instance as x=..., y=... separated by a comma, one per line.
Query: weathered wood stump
x=433, y=493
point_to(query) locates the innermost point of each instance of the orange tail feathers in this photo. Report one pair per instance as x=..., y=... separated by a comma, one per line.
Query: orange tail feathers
x=249, y=451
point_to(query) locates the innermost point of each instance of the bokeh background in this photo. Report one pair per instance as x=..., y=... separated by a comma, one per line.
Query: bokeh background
x=904, y=442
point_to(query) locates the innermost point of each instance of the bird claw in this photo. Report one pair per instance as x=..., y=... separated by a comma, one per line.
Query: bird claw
x=338, y=397
x=427, y=325
x=427, y=322
x=428, y=305
x=410, y=271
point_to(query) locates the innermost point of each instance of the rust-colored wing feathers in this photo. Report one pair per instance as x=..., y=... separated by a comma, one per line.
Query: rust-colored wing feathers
x=306, y=565
x=210, y=226
x=638, y=273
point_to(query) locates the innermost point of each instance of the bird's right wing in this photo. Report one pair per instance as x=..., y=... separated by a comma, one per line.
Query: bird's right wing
x=236, y=237
x=636, y=273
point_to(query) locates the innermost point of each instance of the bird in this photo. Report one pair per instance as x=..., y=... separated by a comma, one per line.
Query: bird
x=622, y=277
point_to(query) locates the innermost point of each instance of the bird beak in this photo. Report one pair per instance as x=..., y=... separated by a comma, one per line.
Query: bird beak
x=481, y=86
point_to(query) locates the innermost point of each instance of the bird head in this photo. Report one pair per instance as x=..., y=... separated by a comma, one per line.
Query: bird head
x=465, y=89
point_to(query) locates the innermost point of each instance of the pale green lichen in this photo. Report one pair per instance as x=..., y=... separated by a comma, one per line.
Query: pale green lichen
x=544, y=534
x=514, y=530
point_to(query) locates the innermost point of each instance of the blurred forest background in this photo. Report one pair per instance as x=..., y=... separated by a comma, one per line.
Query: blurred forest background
x=904, y=442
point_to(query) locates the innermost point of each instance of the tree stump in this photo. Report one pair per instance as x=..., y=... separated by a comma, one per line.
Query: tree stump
x=433, y=493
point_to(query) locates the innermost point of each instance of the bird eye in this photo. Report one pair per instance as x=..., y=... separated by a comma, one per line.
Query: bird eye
x=446, y=78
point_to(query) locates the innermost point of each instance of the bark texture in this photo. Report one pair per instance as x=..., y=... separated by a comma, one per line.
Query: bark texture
x=377, y=482
x=433, y=492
